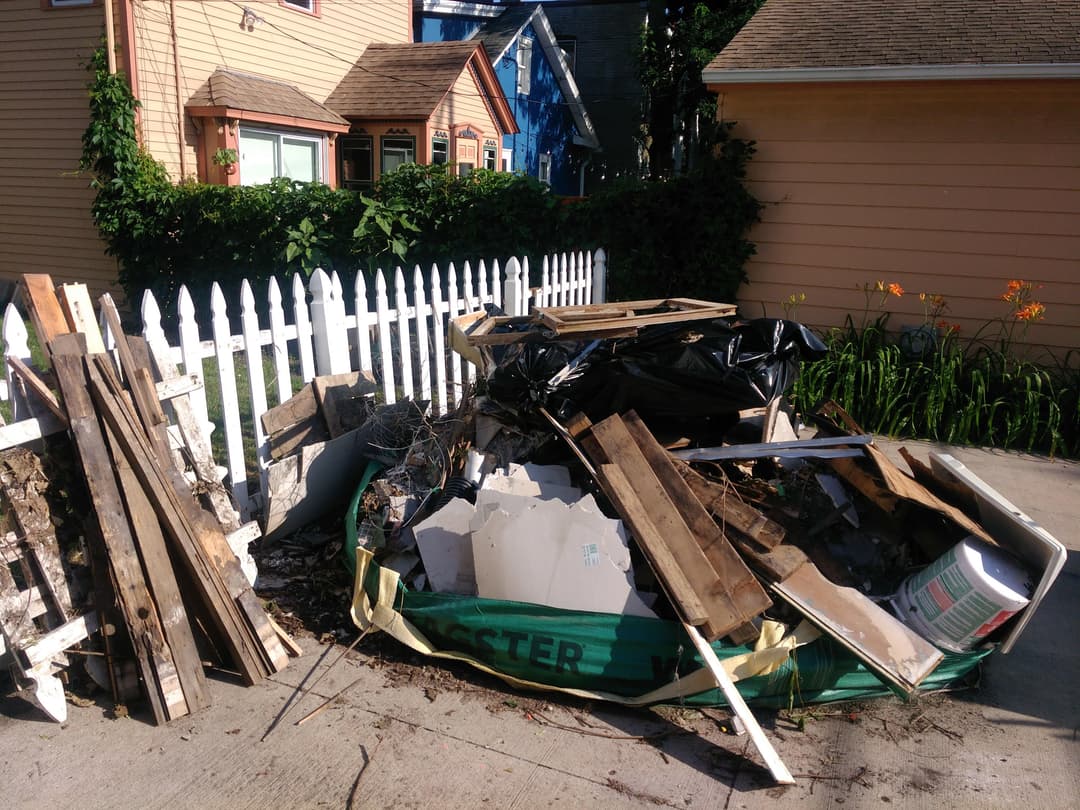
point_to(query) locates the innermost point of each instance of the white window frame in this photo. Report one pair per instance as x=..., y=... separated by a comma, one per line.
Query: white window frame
x=489, y=152
x=543, y=171
x=524, y=65
x=282, y=135
x=306, y=6
x=446, y=154
x=507, y=160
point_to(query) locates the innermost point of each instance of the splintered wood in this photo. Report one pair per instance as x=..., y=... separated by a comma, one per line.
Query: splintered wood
x=705, y=577
x=176, y=580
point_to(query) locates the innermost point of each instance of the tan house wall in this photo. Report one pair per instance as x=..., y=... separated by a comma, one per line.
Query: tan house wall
x=311, y=52
x=945, y=187
x=45, y=224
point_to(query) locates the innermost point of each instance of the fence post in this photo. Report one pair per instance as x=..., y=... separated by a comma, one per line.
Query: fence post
x=401, y=305
x=191, y=352
x=230, y=401
x=363, y=323
x=386, y=348
x=327, y=327
x=512, y=288
x=16, y=344
x=599, y=279
x=587, y=290
x=249, y=325
x=438, y=339
x=423, y=347
x=279, y=343
x=303, y=328
x=452, y=312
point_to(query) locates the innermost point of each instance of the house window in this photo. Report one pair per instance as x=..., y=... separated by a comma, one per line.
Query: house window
x=524, y=65
x=440, y=151
x=357, y=163
x=397, y=152
x=507, y=160
x=265, y=154
x=68, y=3
x=545, y=169
x=309, y=6
x=489, y=157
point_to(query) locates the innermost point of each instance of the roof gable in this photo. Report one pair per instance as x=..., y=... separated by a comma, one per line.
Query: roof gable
x=500, y=32
x=408, y=81
x=924, y=35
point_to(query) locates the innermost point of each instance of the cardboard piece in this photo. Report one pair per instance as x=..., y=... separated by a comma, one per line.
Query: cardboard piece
x=550, y=553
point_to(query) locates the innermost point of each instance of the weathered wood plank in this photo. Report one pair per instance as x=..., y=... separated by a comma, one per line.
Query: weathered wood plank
x=44, y=308
x=38, y=386
x=174, y=517
x=736, y=584
x=140, y=613
x=345, y=400
x=79, y=313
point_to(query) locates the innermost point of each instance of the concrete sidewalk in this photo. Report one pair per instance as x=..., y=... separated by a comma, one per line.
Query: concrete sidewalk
x=416, y=734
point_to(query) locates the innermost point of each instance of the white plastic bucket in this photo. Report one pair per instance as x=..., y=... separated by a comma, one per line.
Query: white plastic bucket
x=963, y=595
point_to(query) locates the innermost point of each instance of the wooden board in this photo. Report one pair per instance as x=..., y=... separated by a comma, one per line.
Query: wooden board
x=736, y=584
x=140, y=613
x=34, y=383
x=593, y=318
x=79, y=313
x=345, y=400
x=887, y=646
x=678, y=546
x=44, y=308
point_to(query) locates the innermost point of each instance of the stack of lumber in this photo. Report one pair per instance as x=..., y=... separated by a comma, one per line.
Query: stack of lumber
x=166, y=580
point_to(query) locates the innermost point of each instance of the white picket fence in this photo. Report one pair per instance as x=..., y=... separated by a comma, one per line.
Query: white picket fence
x=405, y=346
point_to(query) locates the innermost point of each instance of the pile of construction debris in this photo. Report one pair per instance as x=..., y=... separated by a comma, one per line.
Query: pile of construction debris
x=629, y=465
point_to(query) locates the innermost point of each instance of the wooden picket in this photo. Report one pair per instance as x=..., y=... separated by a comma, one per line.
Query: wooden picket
x=405, y=347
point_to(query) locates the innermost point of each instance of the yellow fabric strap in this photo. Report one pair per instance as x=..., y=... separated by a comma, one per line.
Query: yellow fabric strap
x=770, y=652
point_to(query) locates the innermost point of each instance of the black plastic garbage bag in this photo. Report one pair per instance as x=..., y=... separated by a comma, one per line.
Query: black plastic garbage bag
x=681, y=370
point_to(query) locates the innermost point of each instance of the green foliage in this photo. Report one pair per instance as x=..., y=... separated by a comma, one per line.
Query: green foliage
x=954, y=392
x=685, y=237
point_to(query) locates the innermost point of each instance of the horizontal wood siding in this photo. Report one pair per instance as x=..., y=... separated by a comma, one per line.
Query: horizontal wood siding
x=945, y=187
x=464, y=104
x=45, y=224
x=312, y=53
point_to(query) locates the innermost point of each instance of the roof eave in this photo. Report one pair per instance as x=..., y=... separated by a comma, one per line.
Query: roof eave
x=886, y=73
x=219, y=111
x=455, y=7
x=565, y=78
x=499, y=104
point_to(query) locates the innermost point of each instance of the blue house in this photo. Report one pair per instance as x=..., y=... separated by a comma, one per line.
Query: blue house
x=556, y=140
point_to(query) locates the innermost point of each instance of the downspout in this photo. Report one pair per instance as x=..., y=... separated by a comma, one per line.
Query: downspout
x=110, y=37
x=177, y=83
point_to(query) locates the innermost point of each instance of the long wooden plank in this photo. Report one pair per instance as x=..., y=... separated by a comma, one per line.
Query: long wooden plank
x=140, y=614
x=636, y=516
x=735, y=700
x=170, y=509
x=736, y=584
x=79, y=313
x=161, y=579
x=885, y=644
x=619, y=446
x=254, y=645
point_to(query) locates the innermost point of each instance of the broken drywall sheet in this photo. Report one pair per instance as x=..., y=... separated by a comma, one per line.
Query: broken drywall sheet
x=551, y=553
x=445, y=545
x=535, y=480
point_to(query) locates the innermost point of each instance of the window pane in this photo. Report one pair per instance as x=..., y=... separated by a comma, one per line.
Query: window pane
x=258, y=157
x=396, y=152
x=440, y=152
x=356, y=164
x=300, y=160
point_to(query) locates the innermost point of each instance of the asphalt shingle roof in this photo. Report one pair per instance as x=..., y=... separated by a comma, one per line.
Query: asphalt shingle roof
x=786, y=34
x=242, y=91
x=497, y=34
x=405, y=80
